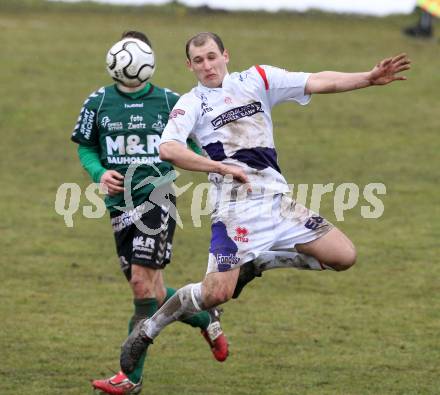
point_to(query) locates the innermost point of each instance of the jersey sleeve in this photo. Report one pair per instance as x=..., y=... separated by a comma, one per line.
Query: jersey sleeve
x=89, y=158
x=282, y=85
x=172, y=99
x=86, y=131
x=182, y=120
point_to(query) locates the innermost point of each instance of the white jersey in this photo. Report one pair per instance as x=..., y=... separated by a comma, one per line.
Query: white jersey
x=233, y=123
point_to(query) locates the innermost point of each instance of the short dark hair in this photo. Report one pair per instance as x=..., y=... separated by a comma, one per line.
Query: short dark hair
x=201, y=38
x=135, y=34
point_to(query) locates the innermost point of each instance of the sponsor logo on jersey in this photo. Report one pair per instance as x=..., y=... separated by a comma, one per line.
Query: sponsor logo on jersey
x=134, y=105
x=136, y=122
x=111, y=126
x=228, y=100
x=159, y=125
x=240, y=234
x=127, y=160
x=204, y=105
x=86, y=127
x=236, y=113
x=104, y=121
x=243, y=76
x=121, y=150
x=176, y=112
x=136, y=118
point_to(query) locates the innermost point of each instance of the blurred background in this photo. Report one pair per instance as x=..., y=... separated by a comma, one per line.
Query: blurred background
x=371, y=330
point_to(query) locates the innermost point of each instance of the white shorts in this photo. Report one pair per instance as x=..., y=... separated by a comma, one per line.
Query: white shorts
x=242, y=230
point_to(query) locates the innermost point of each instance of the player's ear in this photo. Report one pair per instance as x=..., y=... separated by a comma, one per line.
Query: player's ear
x=226, y=56
x=189, y=64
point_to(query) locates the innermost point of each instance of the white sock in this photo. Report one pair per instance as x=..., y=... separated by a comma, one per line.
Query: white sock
x=268, y=260
x=186, y=302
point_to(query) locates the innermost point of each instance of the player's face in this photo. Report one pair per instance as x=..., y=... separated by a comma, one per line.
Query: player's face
x=208, y=63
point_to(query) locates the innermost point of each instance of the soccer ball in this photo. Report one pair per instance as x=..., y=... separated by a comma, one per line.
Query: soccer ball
x=130, y=62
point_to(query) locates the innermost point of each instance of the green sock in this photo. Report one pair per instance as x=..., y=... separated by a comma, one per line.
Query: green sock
x=200, y=320
x=143, y=308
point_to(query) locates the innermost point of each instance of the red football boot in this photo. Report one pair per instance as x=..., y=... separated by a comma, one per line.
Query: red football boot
x=119, y=384
x=215, y=336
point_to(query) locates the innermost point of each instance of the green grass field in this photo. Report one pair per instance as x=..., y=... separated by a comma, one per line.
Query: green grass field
x=64, y=305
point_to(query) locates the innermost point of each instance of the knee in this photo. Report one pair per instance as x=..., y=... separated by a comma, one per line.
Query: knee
x=222, y=297
x=142, y=288
x=346, y=260
x=217, y=297
x=218, y=288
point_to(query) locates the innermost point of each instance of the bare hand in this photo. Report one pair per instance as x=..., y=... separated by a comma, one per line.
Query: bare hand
x=385, y=71
x=237, y=173
x=113, y=181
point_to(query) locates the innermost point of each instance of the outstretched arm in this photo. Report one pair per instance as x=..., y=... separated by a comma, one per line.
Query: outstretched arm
x=385, y=72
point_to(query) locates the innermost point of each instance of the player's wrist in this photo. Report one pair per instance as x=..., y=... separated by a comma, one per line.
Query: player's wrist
x=221, y=168
x=101, y=178
x=97, y=177
x=370, y=78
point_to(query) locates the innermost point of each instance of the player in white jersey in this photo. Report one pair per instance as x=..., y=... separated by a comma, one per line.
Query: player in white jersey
x=233, y=124
x=229, y=116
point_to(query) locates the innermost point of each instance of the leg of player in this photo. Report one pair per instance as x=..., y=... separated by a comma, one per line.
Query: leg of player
x=148, y=283
x=161, y=291
x=334, y=250
x=150, y=293
x=216, y=288
x=145, y=282
x=269, y=260
x=209, y=324
x=147, y=287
